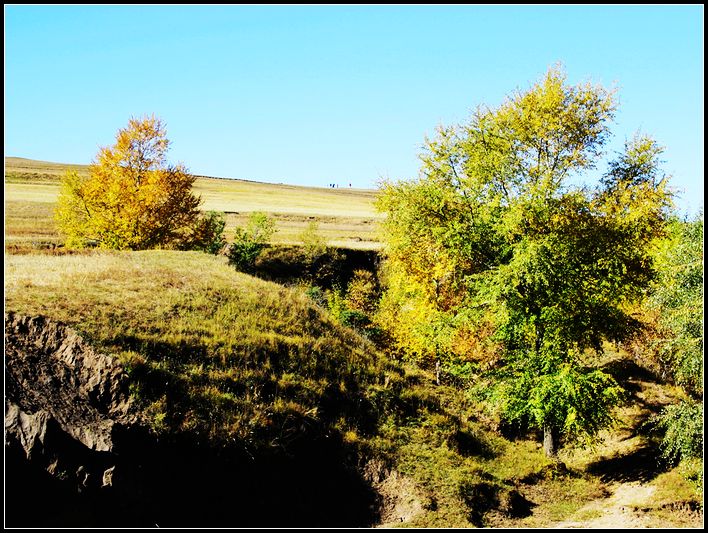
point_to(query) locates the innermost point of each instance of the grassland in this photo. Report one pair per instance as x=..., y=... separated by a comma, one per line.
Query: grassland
x=345, y=217
x=232, y=358
x=242, y=358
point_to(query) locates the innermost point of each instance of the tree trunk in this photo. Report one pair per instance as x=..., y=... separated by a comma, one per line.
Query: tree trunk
x=549, y=441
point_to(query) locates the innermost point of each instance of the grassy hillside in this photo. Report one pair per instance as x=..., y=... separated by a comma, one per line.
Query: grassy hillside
x=238, y=361
x=241, y=361
x=243, y=358
x=346, y=217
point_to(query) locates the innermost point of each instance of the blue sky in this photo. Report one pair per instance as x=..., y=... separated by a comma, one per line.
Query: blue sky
x=320, y=94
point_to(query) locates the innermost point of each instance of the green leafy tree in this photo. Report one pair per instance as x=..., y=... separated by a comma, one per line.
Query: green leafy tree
x=495, y=257
x=677, y=297
x=132, y=199
x=208, y=234
x=250, y=240
x=683, y=427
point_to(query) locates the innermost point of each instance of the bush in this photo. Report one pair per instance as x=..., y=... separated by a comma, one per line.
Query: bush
x=317, y=295
x=363, y=292
x=313, y=244
x=683, y=426
x=208, y=234
x=250, y=240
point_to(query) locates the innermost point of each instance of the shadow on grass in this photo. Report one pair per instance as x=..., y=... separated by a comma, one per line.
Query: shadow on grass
x=624, y=370
x=483, y=497
x=179, y=352
x=468, y=444
x=643, y=464
x=631, y=377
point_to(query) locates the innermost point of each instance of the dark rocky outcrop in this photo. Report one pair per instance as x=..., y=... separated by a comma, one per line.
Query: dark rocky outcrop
x=66, y=407
x=78, y=453
x=53, y=376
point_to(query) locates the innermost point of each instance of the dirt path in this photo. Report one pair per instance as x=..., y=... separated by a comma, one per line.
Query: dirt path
x=615, y=512
x=630, y=462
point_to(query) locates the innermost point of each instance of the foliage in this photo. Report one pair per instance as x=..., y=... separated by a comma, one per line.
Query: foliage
x=492, y=241
x=250, y=240
x=343, y=313
x=354, y=307
x=683, y=426
x=317, y=295
x=573, y=400
x=363, y=292
x=677, y=296
x=313, y=244
x=208, y=235
x=131, y=198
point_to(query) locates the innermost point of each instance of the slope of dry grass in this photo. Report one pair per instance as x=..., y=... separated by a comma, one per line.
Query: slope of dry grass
x=346, y=217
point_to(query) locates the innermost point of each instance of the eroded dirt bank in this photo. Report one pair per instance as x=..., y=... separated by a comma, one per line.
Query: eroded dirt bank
x=79, y=453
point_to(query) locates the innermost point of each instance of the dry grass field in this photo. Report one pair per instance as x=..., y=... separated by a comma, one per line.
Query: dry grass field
x=345, y=217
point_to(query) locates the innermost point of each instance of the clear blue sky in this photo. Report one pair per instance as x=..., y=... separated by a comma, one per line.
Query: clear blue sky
x=319, y=94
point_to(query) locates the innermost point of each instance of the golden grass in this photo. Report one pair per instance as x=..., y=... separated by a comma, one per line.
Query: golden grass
x=20, y=168
x=209, y=350
x=346, y=217
x=672, y=486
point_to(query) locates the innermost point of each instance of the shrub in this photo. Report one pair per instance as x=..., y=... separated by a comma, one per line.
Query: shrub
x=683, y=427
x=208, y=234
x=313, y=244
x=363, y=292
x=250, y=240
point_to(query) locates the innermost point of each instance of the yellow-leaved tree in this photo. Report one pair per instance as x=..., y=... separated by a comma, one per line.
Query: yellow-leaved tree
x=132, y=199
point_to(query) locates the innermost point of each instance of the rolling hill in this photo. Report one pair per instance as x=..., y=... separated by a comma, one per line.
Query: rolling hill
x=346, y=217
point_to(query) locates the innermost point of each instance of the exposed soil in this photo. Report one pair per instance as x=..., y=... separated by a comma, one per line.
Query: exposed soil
x=616, y=512
x=631, y=460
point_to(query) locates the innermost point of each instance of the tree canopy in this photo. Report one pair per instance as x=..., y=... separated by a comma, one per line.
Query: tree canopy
x=133, y=198
x=677, y=297
x=496, y=258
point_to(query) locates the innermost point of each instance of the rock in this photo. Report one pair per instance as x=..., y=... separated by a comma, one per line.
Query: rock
x=108, y=477
x=79, y=454
x=69, y=420
x=51, y=374
x=64, y=401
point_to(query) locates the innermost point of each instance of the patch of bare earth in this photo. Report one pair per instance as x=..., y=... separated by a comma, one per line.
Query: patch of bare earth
x=620, y=510
x=401, y=502
x=400, y=499
x=629, y=462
